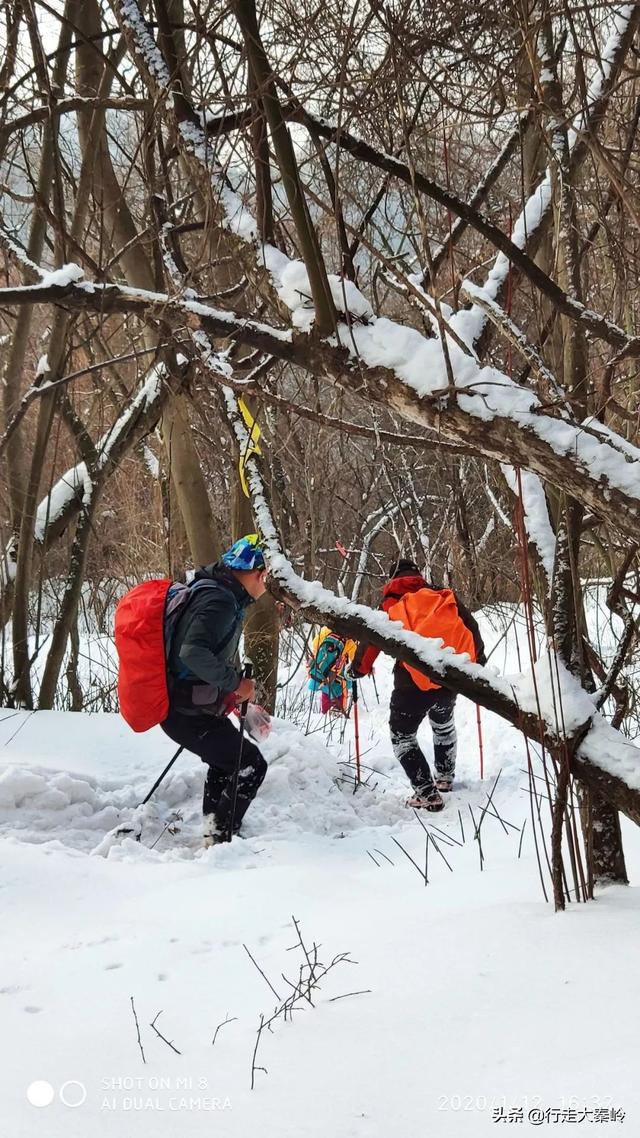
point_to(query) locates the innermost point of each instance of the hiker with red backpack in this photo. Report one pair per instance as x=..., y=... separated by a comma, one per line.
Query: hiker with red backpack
x=432, y=612
x=190, y=680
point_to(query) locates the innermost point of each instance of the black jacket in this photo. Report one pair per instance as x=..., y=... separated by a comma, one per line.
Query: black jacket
x=203, y=665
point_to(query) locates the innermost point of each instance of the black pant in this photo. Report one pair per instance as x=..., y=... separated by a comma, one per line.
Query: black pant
x=407, y=709
x=217, y=742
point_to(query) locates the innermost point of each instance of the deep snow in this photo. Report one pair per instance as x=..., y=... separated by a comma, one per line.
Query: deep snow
x=475, y=994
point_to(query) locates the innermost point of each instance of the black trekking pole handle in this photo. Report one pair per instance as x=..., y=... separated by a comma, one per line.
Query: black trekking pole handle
x=247, y=674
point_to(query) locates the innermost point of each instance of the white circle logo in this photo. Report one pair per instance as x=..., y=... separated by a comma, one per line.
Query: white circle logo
x=73, y=1093
x=40, y=1093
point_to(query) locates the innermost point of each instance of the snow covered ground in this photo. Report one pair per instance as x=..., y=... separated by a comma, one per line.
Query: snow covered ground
x=473, y=996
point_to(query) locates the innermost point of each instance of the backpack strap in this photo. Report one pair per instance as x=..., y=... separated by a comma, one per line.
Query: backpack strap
x=181, y=598
x=203, y=584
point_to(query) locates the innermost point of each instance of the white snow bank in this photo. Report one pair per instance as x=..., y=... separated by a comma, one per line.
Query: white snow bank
x=440, y=969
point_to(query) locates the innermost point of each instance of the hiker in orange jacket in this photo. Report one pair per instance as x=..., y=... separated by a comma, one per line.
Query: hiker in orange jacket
x=433, y=612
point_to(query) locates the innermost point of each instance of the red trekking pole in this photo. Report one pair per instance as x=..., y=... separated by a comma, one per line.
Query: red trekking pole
x=356, y=725
x=480, y=740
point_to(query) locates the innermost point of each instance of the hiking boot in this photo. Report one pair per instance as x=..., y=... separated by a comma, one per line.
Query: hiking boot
x=210, y=840
x=212, y=835
x=445, y=784
x=426, y=800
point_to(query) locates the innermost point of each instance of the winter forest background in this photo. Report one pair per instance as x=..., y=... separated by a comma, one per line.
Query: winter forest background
x=364, y=277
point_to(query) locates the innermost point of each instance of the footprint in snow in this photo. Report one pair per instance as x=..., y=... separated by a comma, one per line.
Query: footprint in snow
x=111, y=967
x=32, y=1009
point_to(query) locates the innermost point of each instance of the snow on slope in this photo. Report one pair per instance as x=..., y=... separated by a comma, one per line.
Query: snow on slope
x=475, y=995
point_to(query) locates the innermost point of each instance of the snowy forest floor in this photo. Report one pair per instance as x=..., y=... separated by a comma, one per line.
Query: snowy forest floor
x=472, y=997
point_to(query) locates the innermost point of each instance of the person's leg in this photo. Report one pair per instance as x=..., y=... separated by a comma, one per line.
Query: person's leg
x=198, y=733
x=253, y=769
x=407, y=709
x=217, y=742
x=214, y=785
x=221, y=753
x=445, y=739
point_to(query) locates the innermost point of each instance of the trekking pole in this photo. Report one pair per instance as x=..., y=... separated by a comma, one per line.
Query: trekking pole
x=375, y=687
x=343, y=729
x=165, y=772
x=131, y=829
x=247, y=674
x=356, y=726
x=480, y=740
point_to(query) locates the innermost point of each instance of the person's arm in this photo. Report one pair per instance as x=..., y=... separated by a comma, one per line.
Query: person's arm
x=470, y=621
x=363, y=661
x=212, y=620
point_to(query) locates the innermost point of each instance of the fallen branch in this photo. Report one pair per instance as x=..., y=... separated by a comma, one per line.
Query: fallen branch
x=133, y=1008
x=309, y=977
x=229, y=1019
x=264, y=977
x=162, y=1037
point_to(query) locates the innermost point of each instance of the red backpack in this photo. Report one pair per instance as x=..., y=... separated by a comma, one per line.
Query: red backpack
x=144, y=623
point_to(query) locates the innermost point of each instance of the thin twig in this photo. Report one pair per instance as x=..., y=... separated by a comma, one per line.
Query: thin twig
x=521, y=837
x=505, y=822
x=133, y=1008
x=461, y=826
x=437, y=847
x=254, y=1068
x=229, y=1019
x=414, y=863
x=304, y=949
x=362, y=992
x=489, y=798
x=264, y=977
x=477, y=837
x=162, y=1037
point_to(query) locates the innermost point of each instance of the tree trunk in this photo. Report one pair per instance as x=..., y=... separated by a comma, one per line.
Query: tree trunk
x=603, y=839
x=188, y=483
x=184, y=465
x=69, y=608
x=262, y=630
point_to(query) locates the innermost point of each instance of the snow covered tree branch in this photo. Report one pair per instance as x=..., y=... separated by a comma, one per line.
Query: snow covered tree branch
x=486, y=409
